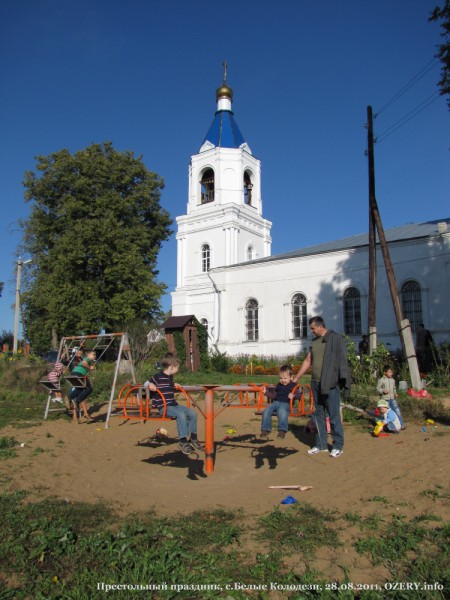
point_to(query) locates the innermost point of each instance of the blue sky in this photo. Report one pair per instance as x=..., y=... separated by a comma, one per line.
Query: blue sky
x=143, y=74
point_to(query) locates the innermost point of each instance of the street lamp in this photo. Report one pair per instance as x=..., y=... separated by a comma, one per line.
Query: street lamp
x=20, y=263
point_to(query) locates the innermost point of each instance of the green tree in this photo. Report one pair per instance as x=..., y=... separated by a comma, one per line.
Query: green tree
x=443, y=14
x=94, y=233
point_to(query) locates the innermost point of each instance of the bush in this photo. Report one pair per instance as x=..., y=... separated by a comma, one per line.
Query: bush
x=220, y=361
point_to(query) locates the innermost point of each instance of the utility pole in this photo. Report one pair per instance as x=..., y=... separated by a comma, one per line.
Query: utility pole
x=372, y=308
x=403, y=325
x=20, y=263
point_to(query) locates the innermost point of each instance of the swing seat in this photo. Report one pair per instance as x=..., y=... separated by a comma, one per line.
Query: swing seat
x=50, y=385
x=76, y=381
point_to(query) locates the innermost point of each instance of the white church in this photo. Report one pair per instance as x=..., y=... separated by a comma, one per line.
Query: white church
x=253, y=302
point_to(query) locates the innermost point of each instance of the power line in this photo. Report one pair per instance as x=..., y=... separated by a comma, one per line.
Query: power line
x=426, y=69
x=414, y=112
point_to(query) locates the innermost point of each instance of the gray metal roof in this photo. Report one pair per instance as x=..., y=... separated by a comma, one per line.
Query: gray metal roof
x=395, y=234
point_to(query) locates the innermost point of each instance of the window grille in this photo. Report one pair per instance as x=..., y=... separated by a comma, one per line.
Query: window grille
x=412, y=303
x=299, y=317
x=352, y=311
x=251, y=320
x=206, y=258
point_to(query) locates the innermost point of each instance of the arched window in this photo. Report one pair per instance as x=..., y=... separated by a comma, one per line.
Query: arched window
x=251, y=320
x=206, y=258
x=207, y=186
x=352, y=311
x=299, y=317
x=248, y=187
x=250, y=252
x=412, y=303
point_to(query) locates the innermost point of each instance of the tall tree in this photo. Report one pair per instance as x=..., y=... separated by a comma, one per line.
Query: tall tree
x=443, y=14
x=94, y=233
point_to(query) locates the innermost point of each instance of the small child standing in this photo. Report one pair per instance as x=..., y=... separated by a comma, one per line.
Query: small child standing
x=55, y=377
x=389, y=420
x=186, y=417
x=281, y=394
x=388, y=392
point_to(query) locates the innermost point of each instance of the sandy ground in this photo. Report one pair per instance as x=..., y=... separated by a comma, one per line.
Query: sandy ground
x=127, y=467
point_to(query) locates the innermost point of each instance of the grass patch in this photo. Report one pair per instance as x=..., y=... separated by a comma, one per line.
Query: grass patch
x=381, y=499
x=302, y=528
x=55, y=549
x=437, y=494
x=411, y=551
x=7, y=445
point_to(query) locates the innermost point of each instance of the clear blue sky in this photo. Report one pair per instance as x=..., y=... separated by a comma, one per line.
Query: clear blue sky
x=143, y=74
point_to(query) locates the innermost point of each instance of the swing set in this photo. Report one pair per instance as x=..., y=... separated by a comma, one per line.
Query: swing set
x=100, y=343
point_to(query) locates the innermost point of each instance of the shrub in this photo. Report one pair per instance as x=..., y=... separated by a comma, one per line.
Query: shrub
x=219, y=361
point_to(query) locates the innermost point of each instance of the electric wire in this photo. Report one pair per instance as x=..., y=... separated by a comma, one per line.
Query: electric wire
x=414, y=112
x=426, y=69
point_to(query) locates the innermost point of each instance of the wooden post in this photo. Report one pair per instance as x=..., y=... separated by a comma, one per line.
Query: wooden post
x=371, y=316
x=403, y=326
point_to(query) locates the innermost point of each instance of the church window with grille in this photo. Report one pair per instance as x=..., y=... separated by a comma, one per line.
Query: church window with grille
x=207, y=186
x=206, y=258
x=299, y=317
x=412, y=303
x=352, y=311
x=251, y=320
x=250, y=252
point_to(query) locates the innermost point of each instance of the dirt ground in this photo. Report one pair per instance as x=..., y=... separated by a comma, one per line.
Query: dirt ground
x=127, y=467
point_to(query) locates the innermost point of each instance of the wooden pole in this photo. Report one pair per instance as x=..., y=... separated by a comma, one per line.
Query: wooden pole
x=371, y=316
x=403, y=325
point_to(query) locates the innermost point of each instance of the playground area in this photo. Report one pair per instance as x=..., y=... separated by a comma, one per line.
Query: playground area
x=129, y=468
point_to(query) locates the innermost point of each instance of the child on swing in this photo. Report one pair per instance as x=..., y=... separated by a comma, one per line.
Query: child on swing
x=78, y=395
x=54, y=376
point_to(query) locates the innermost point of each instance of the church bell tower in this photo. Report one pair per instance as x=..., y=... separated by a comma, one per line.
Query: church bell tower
x=223, y=225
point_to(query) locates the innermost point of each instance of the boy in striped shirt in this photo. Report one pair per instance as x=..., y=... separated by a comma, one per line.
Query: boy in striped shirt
x=186, y=417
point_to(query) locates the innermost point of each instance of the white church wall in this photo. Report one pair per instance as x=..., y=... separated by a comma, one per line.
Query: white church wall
x=323, y=280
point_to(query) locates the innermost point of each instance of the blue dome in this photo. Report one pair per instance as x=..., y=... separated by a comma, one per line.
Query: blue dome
x=224, y=131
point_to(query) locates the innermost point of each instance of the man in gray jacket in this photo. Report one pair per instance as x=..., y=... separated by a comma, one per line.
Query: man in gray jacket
x=329, y=374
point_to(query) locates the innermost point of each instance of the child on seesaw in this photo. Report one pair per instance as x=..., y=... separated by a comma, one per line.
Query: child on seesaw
x=186, y=417
x=281, y=394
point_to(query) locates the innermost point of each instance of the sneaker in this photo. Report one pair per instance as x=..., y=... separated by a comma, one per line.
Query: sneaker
x=196, y=445
x=185, y=447
x=281, y=435
x=335, y=452
x=264, y=434
x=316, y=450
